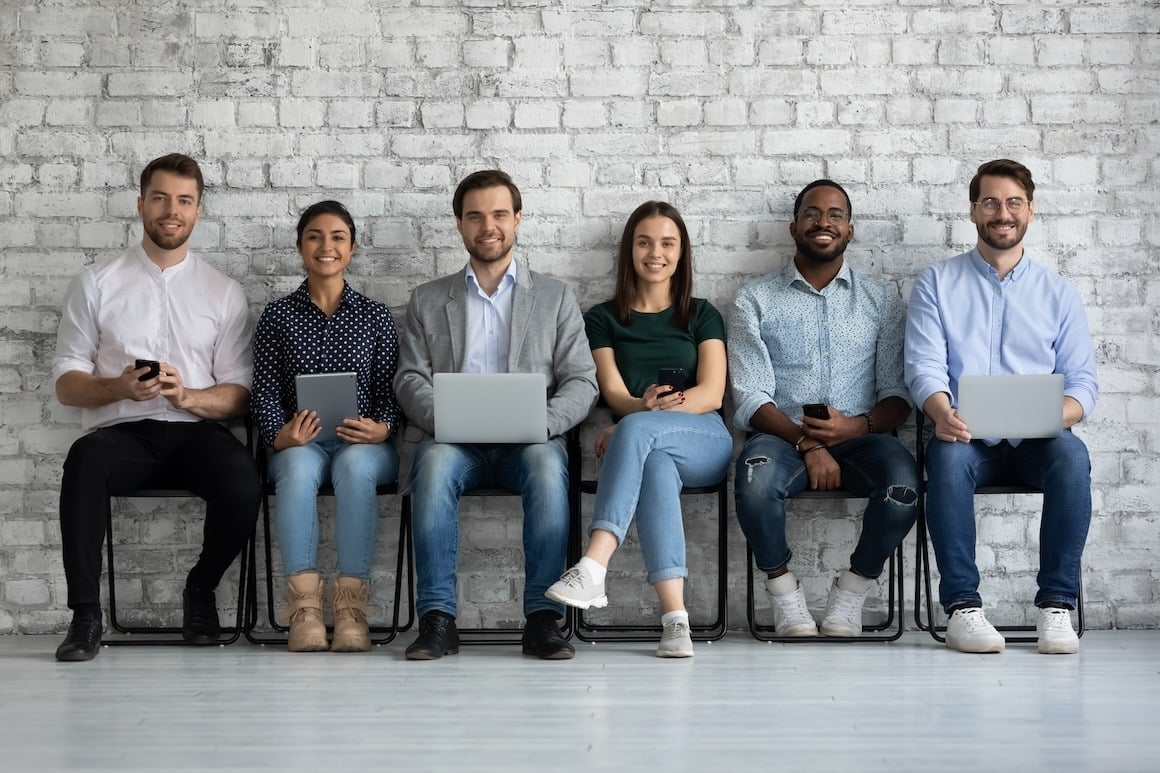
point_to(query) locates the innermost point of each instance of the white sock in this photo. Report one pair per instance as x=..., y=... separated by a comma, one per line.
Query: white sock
x=594, y=569
x=679, y=614
x=782, y=585
x=854, y=583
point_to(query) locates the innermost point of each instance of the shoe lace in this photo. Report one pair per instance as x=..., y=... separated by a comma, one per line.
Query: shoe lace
x=675, y=629
x=973, y=620
x=792, y=606
x=847, y=605
x=573, y=578
x=1057, y=620
x=349, y=603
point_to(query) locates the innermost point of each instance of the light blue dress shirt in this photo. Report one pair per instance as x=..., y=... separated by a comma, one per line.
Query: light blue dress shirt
x=790, y=344
x=964, y=320
x=489, y=323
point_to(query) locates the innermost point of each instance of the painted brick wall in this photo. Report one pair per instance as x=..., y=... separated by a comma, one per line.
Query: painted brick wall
x=724, y=108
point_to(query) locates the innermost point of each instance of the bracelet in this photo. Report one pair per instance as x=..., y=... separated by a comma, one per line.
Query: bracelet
x=869, y=423
x=798, y=445
x=813, y=448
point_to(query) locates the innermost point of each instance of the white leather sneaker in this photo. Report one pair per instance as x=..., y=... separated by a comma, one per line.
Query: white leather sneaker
x=1056, y=636
x=969, y=631
x=791, y=616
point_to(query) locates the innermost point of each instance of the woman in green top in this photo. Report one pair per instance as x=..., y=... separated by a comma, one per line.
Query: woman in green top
x=668, y=435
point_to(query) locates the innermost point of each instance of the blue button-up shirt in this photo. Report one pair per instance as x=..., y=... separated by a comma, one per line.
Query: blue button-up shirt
x=790, y=344
x=294, y=337
x=489, y=323
x=964, y=320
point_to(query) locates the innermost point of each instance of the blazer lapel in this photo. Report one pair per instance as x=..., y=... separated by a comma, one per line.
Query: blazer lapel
x=523, y=304
x=457, y=319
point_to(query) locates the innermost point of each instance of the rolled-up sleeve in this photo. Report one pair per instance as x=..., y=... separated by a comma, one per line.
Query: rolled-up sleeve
x=926, y=365
x=888, y=368
x=750, y=368
x=1075, y=357
x=78, y=336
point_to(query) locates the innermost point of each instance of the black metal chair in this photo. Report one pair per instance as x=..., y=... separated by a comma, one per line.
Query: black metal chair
x=166, y=635
x=597, y=632
x=380, y=634
x=889, y=629
x=922, y=579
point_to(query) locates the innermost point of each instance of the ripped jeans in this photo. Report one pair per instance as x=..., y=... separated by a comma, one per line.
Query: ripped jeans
x=877, y=466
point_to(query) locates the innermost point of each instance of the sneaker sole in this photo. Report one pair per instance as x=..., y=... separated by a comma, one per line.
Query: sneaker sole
x=803, y=633
x=844, y=633
x=598, y=602
x=675, y=654
x=993, y=649
x=1069, y=648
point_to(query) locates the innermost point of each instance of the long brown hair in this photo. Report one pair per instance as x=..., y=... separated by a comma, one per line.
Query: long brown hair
x=681, y=287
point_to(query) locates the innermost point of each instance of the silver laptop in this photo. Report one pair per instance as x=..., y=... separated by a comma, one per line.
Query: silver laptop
x=491, y=408
x=333, y=396
x=1012, y=406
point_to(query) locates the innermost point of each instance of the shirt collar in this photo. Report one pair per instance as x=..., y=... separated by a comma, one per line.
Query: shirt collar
x=509, y=277
x=790, y=275
x=177, y=268
x=987, y=270
x=302, y=295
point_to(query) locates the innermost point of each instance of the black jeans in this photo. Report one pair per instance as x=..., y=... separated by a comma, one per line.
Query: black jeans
x=203, y=457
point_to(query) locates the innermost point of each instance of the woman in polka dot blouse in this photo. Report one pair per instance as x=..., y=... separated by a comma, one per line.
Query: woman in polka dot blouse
x=326, y=327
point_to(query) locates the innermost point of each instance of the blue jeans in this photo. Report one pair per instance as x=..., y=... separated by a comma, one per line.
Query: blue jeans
x=355, y=470
x=538, y=472
x=650, y=456
x=877, y=466
x=1060, y=466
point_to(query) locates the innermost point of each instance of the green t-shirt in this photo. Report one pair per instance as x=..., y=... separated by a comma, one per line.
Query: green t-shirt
x=651, y=342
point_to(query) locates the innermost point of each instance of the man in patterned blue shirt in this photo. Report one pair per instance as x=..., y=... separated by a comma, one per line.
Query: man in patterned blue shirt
x=815, y=353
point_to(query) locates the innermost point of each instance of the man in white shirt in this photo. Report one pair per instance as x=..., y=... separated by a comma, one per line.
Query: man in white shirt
x=154, y=348
x=494, y=316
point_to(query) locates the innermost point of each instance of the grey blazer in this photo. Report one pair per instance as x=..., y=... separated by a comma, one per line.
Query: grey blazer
x=547, y=336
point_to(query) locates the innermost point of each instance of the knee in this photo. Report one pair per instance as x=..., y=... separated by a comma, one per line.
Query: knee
x=296, y=468
x=545, y=463
x=754, y=480
x=1070, y=460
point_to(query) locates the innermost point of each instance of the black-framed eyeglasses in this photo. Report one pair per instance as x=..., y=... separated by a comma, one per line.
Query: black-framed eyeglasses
x=1014, y=205
x=813, y=215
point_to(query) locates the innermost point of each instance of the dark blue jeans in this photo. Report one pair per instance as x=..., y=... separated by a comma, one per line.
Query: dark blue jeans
x=1060, y=466
x=769, y=471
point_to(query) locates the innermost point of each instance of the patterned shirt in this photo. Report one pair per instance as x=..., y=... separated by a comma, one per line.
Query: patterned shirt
x=294, y=337
x=790, y=344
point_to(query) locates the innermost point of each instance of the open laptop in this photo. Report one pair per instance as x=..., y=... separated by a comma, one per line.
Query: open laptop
x=491, y=408
x=333, y=396
x=1012, y=406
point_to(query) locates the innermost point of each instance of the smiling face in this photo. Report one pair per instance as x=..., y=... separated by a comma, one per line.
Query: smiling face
x=489, y=224
x=326, y=246
x=169, y=208
x=822, y=228
x=1001, y=230
x=656, y=249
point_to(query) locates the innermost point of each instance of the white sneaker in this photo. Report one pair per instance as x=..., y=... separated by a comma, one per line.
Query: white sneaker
x=969, y=631
x=576, y=588
x=676, y=640
x=843, y=612
x=791, y=616
x=1056, y=636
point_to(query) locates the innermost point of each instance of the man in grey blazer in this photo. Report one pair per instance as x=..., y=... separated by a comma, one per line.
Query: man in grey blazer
x=493, y=316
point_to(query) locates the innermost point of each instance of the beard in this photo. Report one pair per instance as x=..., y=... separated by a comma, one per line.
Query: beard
x=821, y=256
x=493, y=255
x=166, y=241
x=998, y=242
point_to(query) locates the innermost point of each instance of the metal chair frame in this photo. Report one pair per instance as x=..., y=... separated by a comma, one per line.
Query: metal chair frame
x=888, y=630
x=922, y=581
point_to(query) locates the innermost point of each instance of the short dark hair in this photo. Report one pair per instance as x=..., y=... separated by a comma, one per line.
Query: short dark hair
x=1003, y=167
x=681, y=288
x=176, y=163
x=328, y=207
x=486, y=178
x=797, y=203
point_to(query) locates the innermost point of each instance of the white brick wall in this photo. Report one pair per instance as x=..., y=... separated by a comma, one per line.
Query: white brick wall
x=725, y=109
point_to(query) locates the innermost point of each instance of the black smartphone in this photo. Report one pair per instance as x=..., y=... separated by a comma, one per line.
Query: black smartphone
x=672, y=377
x=154, y=369
x=816, y=410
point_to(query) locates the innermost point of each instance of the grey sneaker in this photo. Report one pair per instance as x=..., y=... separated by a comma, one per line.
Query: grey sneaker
x=676, y=641
x=577, y=589
x=843, y=612
x=791, y=616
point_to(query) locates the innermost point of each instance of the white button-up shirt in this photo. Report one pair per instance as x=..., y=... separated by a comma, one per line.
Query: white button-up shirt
x=190, y=315
x=489, y=323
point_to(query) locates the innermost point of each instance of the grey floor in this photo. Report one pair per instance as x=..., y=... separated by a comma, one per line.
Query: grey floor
x=738, y=705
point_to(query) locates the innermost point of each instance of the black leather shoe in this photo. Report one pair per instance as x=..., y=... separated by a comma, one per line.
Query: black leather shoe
x=438, y=636
x=83, y=640
x=199, y=623
x=543, y=639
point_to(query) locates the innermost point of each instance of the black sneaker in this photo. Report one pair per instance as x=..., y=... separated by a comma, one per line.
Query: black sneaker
x=543, y=639
x=199, y=624
x=83, y=640
x=438, y=636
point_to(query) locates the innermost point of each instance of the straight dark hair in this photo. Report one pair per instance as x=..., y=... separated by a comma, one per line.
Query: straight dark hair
x=176, y=163
x=1003, y=167
x=681, y=287
x=328, y=207
x=486, y=178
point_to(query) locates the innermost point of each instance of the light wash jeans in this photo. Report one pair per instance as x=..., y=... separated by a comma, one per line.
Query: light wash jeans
x=650, y=456
x=877, y=466
x=538, y=472
x=1060, y=466
x=355, y=470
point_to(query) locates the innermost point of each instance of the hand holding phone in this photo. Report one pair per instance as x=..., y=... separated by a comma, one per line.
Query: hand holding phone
x=154, y=369
x=816, y=411
x=671, y=377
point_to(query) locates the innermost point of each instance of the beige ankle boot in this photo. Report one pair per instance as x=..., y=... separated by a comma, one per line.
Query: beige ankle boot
x=351, y=633
x=307, y=630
